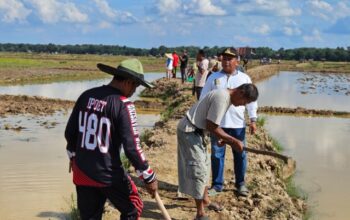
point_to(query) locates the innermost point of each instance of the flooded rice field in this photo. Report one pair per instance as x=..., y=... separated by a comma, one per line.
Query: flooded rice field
x=321, y=146
x=34, y=178
x=314, y=90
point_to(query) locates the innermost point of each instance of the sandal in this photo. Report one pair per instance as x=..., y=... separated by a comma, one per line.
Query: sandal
x=215, y=207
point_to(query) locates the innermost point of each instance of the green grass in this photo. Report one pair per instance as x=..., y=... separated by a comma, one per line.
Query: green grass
x=276, y=145
x=125, y=162
x=73, y=209
x=295, y=191
x=146, y=134
x=261, y=121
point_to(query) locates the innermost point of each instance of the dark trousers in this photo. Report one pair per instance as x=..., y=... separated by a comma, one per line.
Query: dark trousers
x=183, y=74
x=174, y=71
x=198, y=91
x=123, y=196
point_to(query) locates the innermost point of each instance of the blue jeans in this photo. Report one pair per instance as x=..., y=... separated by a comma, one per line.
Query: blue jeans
x=218, y=160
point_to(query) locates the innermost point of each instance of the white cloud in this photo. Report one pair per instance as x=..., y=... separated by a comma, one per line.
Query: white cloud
x=117, y=16
x=328, y=12
x=290, y=31
x=105, y=25
x=167, y=7
x=13, y=11
x=205, y=7
x=52, y=11
x=315, y=36
x=268, y=7
x=264, y=29
x=104, y=8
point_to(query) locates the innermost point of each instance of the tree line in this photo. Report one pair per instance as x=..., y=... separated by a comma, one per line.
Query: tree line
x=319, y=54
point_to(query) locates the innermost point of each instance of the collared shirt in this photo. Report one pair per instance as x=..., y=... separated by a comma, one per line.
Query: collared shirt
x=234, y=117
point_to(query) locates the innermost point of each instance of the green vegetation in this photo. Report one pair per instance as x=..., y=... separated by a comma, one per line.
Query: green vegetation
x=319, y=54
x=146, y=134
x=73, y=209
x=276, y=145
x=295, y=191
x=261, y=121
x=125, y=162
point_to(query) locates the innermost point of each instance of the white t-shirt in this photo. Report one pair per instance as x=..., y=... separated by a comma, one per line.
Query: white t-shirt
x=234, y=118
x=212, y=107
x=201, y=77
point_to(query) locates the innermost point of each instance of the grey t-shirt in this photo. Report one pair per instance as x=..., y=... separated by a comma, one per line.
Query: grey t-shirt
x=212, y=107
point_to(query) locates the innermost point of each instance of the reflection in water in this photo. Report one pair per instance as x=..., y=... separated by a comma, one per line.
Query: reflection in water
x=286, y=90
x=321, y=149
x=66, y=90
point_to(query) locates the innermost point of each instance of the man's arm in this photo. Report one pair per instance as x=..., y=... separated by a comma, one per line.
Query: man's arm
x=127, y=124
x=226, y=138
x=252, y=109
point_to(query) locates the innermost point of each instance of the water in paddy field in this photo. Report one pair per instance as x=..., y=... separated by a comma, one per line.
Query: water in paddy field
x=34, y=178
x=67, y=90
x=320, y=146
x=308, y=90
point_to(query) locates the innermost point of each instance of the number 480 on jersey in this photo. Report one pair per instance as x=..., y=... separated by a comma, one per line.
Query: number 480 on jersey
x=95, y=131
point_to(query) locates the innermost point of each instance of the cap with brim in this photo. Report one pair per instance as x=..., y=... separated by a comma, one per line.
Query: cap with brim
x=129, y=69
x=229, y=52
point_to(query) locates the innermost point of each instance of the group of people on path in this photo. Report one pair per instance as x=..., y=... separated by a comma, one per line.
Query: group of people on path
x=104, y=121
x=172, y=63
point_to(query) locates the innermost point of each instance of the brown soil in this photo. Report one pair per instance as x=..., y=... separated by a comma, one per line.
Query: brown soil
x=10, y=104
x=302, y=111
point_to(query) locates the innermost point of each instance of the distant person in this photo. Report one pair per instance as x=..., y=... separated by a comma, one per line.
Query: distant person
x=175, y=63
x=201, y=75
x=233, y=123
x=169, y=65
x=183, y=65
x=192, y=151
x=245, y=64
x=104, y=121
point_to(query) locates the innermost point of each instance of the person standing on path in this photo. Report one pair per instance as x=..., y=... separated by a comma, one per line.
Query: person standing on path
x=175, y=63
x=183, y=65
x=169, y=65
x=201, y=75
x=193, y=159
x=233, y=123
x=104, y=121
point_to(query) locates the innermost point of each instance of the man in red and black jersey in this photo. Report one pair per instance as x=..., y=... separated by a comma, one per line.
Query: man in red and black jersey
x=103, y=121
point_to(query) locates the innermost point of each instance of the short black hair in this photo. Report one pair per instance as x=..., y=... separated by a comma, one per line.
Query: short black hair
x=201, y=52
x=250, y=91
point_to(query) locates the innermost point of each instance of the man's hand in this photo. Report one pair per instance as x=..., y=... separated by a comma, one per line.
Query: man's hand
x=252, y=127
x=237, y=145
x=152, y=188
x=221, y=143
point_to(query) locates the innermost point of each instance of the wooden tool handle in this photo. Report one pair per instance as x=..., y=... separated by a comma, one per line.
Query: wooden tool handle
x=161, y=207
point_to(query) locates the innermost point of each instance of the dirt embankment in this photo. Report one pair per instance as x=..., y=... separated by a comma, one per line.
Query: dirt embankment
x=268, y=197
x=303, y=111
x=263, y=72
x=21, y=104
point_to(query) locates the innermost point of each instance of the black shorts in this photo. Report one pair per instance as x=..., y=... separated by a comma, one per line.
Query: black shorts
x=123, y=196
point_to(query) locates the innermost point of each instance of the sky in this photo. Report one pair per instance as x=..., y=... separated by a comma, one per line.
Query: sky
x=152, y=23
